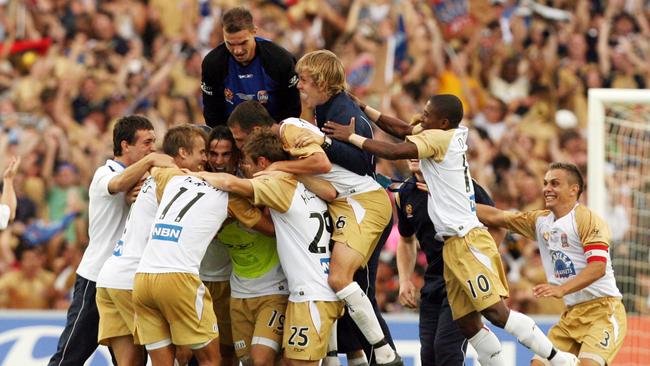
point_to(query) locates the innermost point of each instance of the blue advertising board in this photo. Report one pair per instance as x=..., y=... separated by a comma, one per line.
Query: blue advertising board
x=30, y=338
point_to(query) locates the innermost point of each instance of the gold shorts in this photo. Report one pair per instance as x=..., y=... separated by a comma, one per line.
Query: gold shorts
x=173, y=305
x=359, y=220
x=474, y=273
x=594, y=329
x=309, y=324
x=220, y=292
x=116, y=314
x=259, y=320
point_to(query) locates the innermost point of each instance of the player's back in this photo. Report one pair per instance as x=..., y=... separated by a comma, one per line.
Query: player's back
x=189, y=215
x=303, y=229
x=119, y=269
x=446, y=171
x=345, y=181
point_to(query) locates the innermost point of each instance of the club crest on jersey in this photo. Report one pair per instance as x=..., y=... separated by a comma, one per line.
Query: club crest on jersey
x=562, y=265
x=262, y=96
x=409, y=210
x=546, y=236
x=228, y=94
x=166, y=232
x=564, y=239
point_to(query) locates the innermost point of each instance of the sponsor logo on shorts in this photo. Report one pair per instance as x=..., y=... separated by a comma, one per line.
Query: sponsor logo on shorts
x=166, y=232
x=562, y=264
x=215, y=328
x=239, y=344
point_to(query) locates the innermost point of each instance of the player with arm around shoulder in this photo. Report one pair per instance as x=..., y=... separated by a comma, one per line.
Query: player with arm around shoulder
x=474, y=275
x=303, y=228
x=574, y=246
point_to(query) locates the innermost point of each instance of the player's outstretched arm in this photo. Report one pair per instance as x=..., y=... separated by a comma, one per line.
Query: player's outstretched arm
x=386, y=150
x=391, y=125
x=229, y=183
x=491, y=216
x=322, y=188
x=134, y=172
x=317, y=163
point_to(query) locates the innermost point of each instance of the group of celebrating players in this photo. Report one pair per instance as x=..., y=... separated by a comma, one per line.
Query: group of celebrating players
x=242, y=245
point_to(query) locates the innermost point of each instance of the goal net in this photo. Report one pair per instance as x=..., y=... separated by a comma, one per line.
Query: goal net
x=618, y=188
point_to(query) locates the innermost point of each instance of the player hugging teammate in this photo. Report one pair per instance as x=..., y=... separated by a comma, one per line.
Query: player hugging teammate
x=251, y=243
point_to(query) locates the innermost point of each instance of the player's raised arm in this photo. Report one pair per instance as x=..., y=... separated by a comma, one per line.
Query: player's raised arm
x=386, y=150
x=389, y=124
x=322, y=188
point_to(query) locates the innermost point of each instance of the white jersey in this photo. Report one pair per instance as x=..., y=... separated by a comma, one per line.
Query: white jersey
x=191, y=212
x=345, y=182
x=106, y=217
x=452, y=206
x=216, y=265
x=119, y=270
x=566, y=245
x=302, y=228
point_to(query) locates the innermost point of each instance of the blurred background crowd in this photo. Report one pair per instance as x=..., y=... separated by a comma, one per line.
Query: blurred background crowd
x=70, y=68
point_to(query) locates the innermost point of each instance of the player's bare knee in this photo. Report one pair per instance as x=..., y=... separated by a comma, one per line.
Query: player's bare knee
x=497, y=314
x=338, y=281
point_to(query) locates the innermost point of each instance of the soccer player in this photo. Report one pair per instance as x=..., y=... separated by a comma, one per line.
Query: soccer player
x=473, y=271
x=172, y=305
x=133, y=146
x=115, y=280
x=216, y=267
x=303, y=228
x=574, y=246
x=246, y=67
x=441, y=342
x=360, y=213
x=8, y=200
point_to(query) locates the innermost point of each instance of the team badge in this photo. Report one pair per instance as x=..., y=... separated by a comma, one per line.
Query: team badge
x=228, y=94
x=564, y=239
x=262, y=96
x=409, y=210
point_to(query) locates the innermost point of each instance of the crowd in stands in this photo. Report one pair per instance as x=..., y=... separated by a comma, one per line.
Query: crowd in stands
x=69, y=69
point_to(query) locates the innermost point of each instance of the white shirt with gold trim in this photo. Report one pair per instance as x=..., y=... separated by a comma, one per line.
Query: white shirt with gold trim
x=119, y=270
x=190, y=213
x=345, y=182
x=566, y=245
x=452, y=206
x=302, y=228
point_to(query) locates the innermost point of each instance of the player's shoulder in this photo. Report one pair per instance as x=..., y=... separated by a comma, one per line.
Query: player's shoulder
x=584, y=215
x=270, y=48
x=215, y=55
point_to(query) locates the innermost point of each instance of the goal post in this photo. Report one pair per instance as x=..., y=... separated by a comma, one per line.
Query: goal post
x=618, y=189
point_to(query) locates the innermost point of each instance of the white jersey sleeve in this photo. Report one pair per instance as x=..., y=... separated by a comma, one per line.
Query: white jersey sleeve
x=5, y=213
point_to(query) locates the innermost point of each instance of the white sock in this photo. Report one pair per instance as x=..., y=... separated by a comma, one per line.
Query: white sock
x=362, y=313
x=487, y=347
x=358, y=361
x=332, y=358
x=529, y=334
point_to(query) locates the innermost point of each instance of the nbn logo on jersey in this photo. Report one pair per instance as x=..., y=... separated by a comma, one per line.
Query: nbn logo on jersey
x=166, y=232
x=325, y=265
